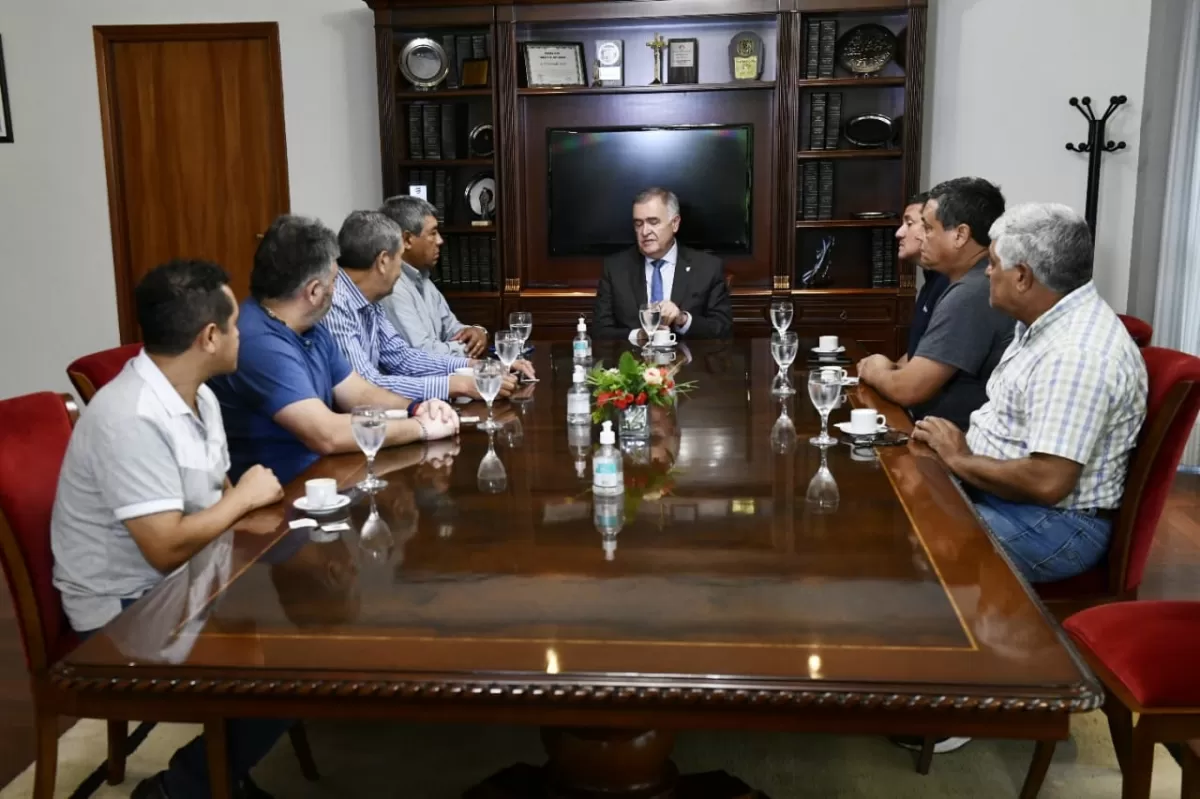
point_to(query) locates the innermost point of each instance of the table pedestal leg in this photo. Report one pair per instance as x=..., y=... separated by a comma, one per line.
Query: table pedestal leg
x=586, y=763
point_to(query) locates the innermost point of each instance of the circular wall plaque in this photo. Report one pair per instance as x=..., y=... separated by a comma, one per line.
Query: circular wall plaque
x=869, y=130
x=609, y=54
x=480, y=141
x=423, y=63
x=866, y=49
x=481, y=195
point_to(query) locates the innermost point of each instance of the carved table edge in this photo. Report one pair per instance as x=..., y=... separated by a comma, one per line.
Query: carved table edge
x=1086, y=696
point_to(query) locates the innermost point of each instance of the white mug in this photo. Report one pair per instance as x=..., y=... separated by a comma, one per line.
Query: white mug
x=320, y=493
x=866, y=422
x=663, y=337
x=831, y=373
x=663, y=358
x=827, y=343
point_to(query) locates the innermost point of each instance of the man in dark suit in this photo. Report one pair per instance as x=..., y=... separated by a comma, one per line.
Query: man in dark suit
x=688, y=285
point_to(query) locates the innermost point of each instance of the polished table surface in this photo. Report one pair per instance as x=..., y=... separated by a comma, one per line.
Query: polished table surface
x=725, y=589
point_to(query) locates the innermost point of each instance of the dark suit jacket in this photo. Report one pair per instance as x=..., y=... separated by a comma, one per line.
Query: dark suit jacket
x=699, y=288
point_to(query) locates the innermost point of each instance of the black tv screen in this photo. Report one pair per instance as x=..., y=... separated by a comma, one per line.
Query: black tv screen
x=596, y=172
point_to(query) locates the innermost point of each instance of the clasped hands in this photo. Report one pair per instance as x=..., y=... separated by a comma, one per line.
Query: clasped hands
x=943, y=437
x=672, y=315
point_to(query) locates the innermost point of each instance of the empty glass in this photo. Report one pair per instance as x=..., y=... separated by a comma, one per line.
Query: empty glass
x=508, y=347
x=489, y=376
x=369, y=425
x=823, y=495
x=491, y=477
x=783, y=432
x=824, y=389
x=375, y=537
x=781, y=315
x=650, y=316
x=783, y=349
x=521, y=323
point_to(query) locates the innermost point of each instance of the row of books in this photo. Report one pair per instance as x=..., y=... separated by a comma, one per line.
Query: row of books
x=461, y=47
x=437, y=131
x=820, y=48
x=824, y=120
x=468, y=263
x=439, y=190
x=814, y=190
x=883, y=259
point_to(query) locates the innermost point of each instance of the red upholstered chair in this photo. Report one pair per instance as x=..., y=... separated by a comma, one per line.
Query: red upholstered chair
x=34, y=431
x=90, y=373
x=1147, y=654
x=1171, y=408
x=1139, y=329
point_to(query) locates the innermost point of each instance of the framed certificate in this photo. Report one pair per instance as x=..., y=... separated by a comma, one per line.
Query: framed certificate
x=554, y=64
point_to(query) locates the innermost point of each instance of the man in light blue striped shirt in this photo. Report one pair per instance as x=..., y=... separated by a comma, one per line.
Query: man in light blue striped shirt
x=370, y=245
x=1046, y=457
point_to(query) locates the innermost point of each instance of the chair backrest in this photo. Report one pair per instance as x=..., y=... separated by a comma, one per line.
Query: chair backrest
x=1171, y=408
x=1139, y=330
x=34, y=432
x=90, y=373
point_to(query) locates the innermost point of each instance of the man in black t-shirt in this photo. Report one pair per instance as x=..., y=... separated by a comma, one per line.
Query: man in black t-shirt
x=909, y=235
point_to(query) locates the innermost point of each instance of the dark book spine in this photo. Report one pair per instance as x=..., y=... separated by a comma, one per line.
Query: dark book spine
x=833, y=121
x=449, y=131
x=432, y=128
x=827, y=45
x=416, y=132
x=452, y=75
x=440, y=195
x=811, y=186
x=479, y=45
x=816, y=121
x=825, y=199
x=812, y=50
x=877, y=258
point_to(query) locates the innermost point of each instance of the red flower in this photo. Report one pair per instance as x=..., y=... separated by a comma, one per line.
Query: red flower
x=641, y=398
x=670, y=383
x=621, y=403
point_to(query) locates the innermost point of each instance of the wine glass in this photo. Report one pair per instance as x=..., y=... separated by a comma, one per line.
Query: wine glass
x=781, y=314
x=521, y=323
x=489, y=375
x=823, y=495
x=783, y=432
x=783, y=349
x=369, y=425
x=508, y=347
x=824, y=389
x=650, y=316
x=491, y=477
x=375, y=537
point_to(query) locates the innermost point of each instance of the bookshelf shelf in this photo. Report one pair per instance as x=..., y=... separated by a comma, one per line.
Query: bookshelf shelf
x=851, y=83
x=442, y=94
x=479, y=230
x=827, y=155
x=469, y=295
x=664, y=89
x=435, y=163
x=807, y=224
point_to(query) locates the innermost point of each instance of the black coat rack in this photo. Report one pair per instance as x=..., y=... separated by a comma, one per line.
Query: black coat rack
x=1095, y=147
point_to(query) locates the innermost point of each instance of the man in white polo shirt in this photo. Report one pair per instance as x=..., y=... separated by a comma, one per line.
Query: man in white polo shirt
x=1045, y=458
x=143, y=486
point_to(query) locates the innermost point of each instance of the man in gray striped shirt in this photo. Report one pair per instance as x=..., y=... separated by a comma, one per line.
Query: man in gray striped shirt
x=1045, y=459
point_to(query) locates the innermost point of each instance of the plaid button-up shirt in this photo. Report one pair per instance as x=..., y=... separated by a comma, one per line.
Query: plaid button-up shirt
x=1073, y=384
x=377, y=352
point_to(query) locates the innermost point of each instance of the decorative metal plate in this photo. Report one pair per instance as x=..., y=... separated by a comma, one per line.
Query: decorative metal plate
x=866, y=49
x=481, y=195
x=481, y=141
x=870, y=130
x=423, y=63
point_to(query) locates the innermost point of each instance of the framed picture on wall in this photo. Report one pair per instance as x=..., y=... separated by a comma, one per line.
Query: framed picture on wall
x=6, y=133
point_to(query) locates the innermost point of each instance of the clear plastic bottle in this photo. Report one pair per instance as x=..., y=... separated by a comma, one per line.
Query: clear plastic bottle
x=608, y=470
x=579, y=440
x=581, y=347
x=608, y=513
x=579, y=399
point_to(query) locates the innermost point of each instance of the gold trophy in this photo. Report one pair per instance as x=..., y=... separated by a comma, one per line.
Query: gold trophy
x=658, y=44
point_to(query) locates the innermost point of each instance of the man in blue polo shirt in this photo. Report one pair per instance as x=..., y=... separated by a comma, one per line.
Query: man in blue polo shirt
x=287, y=404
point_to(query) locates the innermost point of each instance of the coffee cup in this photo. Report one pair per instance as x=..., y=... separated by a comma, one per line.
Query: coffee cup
x=827, y=343
x=833, y=373
x=320, y=492
x=663, y=338
x=866, y=422
x=663, y=358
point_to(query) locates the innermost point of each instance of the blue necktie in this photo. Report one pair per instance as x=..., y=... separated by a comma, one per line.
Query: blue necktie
x=656, y=292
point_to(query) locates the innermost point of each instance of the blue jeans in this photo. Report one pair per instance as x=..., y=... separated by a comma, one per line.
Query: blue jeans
x=249, y=742
x=1044, y=544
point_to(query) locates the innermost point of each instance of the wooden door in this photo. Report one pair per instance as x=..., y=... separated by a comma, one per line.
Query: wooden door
x=194, y=147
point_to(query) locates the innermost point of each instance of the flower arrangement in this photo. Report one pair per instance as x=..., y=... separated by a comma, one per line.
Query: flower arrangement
x=631, y=384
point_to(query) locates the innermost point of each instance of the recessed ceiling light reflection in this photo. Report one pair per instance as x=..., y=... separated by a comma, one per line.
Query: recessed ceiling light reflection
x=551, y=662
x=814, y=667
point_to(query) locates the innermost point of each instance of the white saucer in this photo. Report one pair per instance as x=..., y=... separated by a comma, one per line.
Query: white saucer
x=845, y=428
x=342, y=501
x=849, y=380
x=820, y=351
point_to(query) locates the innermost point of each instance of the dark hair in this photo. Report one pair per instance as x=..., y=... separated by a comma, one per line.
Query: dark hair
x=920, y=198
x=179, y=299
x=973, y=202
x=363, y=236
x=294, y=250
x=408, y=212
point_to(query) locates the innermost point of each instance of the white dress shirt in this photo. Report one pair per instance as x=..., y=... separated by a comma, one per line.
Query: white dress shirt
x=668, y=282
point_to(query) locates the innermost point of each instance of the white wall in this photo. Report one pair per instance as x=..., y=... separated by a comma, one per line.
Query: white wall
x=57, y=291
x=999, y=77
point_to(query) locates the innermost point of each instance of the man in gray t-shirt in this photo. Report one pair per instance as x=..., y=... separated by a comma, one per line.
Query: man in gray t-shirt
x=948, y=373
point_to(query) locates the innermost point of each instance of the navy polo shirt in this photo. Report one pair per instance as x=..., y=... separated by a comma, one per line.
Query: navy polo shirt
x=931, y=291
x=276, y=367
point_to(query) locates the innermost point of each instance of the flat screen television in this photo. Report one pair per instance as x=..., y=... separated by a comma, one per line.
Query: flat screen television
x=595, y=173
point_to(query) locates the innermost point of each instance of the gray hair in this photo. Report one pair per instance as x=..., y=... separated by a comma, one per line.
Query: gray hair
x=364, y=235
x=408, y=212
x=655, y=193
x=293, y=251
x=1051, y=239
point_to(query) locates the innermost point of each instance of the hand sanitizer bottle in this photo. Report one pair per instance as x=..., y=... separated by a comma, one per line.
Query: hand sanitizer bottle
x=579, y=400
x=581, y=347
x=608, y=471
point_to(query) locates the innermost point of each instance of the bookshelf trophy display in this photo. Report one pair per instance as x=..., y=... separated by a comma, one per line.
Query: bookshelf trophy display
x=789, y=129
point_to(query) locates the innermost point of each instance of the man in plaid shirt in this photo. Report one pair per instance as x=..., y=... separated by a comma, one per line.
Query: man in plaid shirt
x=1046, y=457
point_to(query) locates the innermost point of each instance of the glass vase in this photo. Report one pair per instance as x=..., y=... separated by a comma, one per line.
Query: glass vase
x=634, y=423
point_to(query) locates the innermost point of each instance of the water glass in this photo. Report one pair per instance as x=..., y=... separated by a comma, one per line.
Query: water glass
x=489, y=375
x=823, y=496
x=781, y=314
x=784, y=347
x=491, y=478
x=508, y=347
x=650, y=315
x=521, y=323
x=369, y=425
x=824, y=389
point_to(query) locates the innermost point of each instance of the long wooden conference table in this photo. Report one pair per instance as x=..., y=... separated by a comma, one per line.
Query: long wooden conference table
x=726, y=600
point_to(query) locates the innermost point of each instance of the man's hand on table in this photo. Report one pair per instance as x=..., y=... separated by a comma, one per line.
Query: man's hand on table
x=943, y=437
x=524, y=367
x=436, y=410
x=873, y=364
x=473, y=339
